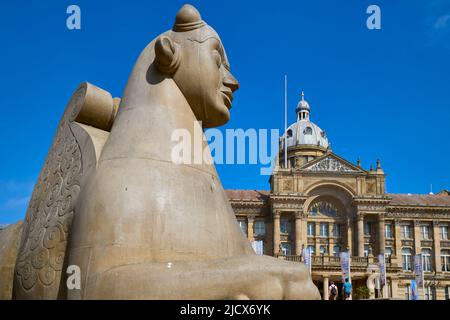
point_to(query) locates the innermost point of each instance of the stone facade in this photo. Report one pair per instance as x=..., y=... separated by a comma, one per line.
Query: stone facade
x=322, y=201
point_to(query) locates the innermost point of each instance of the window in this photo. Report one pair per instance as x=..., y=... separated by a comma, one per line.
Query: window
x=285, y=226
x=408, y=292
x=336, y=230
x=259, y=228
x=366, y=250
x=367, y=227
x=407, y=259
x=286, y=249
x=405, y=231
x=388, y=230
x=444, y=232
x=312, y=249
x=425, y=232
x=289, y=133
x=430, y=293
x=336, y=251
x=323, y=229
x=388, y=251
x=323, y=249
x=243, y=226
x=307, y=131
x=311, y=228
x=447, y=293
x=445, y=260
x=426, y=259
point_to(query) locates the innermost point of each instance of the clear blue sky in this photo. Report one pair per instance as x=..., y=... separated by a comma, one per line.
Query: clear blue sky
x=377, y=93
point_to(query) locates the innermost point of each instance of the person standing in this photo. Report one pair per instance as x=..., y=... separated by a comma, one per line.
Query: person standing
x=347, y=288
x=332, y=291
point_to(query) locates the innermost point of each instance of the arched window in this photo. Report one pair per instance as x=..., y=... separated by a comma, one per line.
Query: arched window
x=323, y=208
x=426, y=259
x=407, y=259
x=307, y=131
x=445, y=260
x=289, y=133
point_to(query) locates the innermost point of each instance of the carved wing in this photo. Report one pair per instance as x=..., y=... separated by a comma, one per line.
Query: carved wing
x=72, y=158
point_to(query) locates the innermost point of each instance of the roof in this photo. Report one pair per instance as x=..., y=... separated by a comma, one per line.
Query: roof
x=424, y=200
x=428, y=200
x=251, y=195
x=305, y=132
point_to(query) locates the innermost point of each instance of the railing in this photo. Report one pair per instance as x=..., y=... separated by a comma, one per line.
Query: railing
x=325, y=260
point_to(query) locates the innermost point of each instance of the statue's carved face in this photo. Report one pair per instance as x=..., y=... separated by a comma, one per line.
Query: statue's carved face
x=203, y=74
x=210, y=87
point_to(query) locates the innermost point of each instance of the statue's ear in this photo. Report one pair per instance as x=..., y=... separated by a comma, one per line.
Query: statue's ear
x=167, y=55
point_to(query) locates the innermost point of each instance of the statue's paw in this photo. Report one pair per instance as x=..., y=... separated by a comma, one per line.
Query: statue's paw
x=278, y=279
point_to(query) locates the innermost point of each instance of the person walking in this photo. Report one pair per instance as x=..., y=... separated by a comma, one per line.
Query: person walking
x=347, y=288
x=332, y=291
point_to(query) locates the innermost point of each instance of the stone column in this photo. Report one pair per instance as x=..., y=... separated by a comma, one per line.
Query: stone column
x=305, y=230
x=349, y=233
x=250, y=221
x=276, y=232
x=417, y=246
x=360, y=223
x=325, y=288
x=298, y=233
x=437, y=247
x=398, y=239
x=268, y=250
x=381, y=235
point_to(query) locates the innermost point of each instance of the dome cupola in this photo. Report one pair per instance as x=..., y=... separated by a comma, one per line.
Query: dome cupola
x=303, y=131
x=302, y=109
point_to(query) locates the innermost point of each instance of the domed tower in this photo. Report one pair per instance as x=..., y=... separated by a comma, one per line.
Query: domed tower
x=304, y=139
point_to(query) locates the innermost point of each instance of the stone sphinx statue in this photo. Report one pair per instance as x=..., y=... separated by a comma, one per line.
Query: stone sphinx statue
x=111, y=201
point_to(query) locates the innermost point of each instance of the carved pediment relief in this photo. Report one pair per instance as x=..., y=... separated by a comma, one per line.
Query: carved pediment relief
x=330, y=164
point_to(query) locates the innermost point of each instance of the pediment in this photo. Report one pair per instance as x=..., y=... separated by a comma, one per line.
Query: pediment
x=331, y=163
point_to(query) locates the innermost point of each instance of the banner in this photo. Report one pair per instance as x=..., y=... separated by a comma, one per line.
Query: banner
x=418, y=271
x=258, y=247
x=382, y=266
x=345, y=265
x=306, y=253
x=414, y=291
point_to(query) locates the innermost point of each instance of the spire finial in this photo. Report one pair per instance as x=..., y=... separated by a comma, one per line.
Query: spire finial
x=303, y=95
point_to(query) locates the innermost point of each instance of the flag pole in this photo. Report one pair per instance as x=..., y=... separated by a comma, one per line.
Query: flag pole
x=285, y=121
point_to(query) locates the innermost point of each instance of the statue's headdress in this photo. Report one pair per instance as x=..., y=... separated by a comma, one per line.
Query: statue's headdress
x=187, y=19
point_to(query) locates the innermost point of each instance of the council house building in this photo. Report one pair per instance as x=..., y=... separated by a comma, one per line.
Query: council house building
x=328, y=204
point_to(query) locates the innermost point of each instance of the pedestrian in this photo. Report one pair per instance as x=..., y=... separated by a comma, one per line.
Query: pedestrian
x=332, y=291
x=347, y=288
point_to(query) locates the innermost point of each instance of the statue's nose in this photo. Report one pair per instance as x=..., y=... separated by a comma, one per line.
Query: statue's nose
x=231, y=82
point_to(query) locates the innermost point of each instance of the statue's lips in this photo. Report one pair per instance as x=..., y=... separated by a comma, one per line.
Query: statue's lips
x=228, y=98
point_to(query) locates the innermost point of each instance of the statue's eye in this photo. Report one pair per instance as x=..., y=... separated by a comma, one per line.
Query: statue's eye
x=218, y=58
